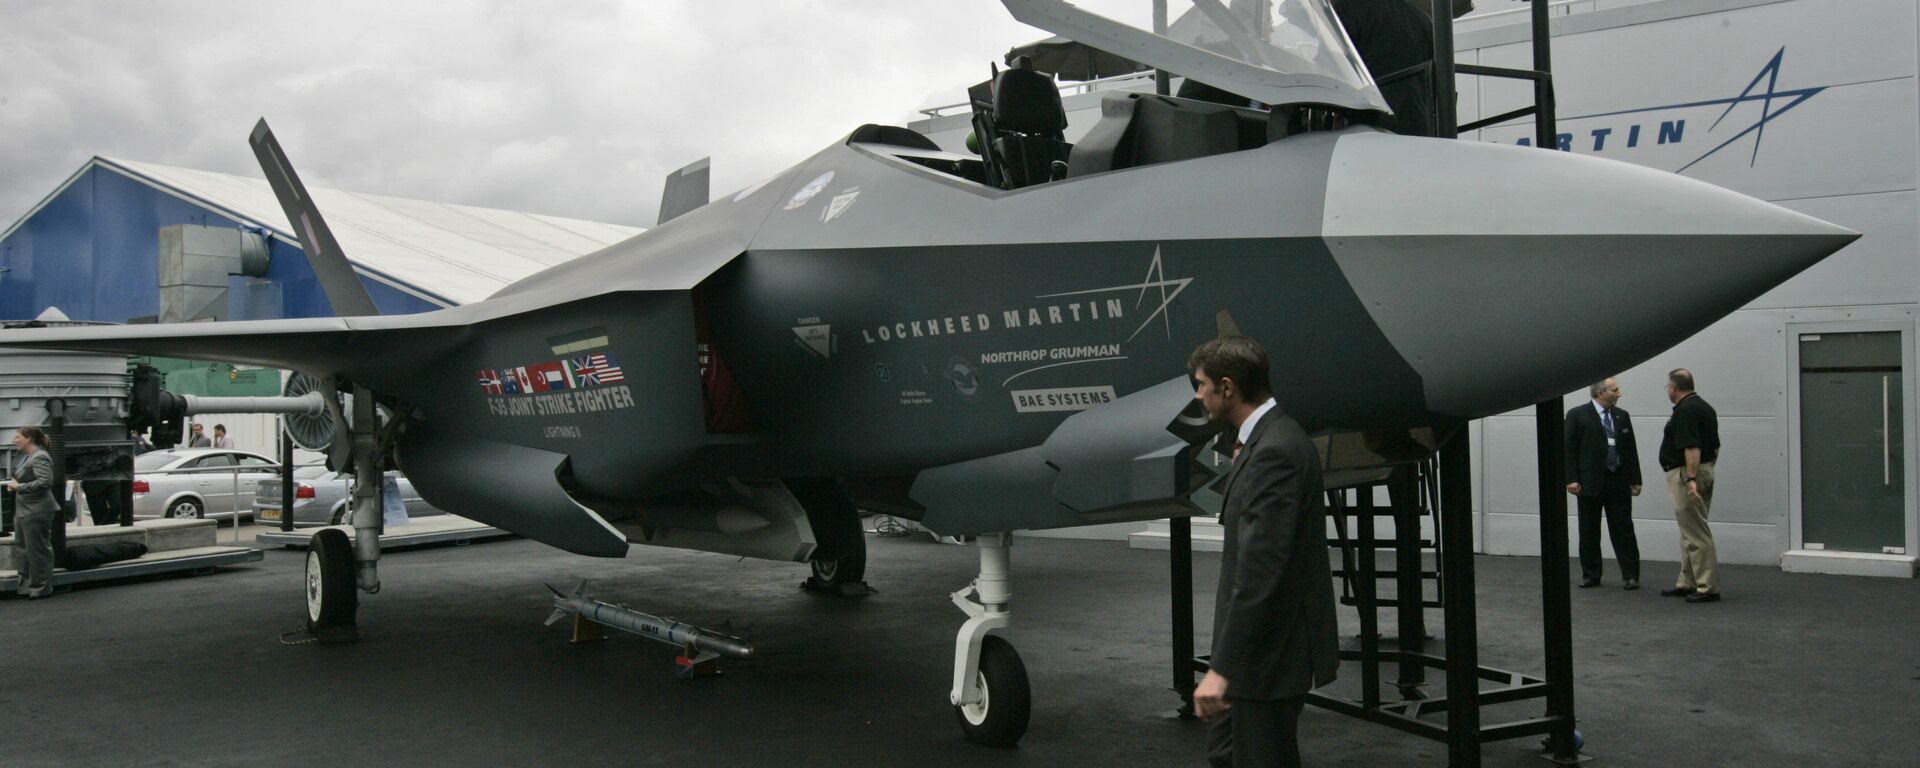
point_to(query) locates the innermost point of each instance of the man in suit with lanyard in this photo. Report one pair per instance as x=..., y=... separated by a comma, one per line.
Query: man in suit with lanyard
x=1603, y=470
x=1275, y=636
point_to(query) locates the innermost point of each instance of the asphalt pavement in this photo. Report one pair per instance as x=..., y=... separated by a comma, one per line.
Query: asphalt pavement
x=456, y=669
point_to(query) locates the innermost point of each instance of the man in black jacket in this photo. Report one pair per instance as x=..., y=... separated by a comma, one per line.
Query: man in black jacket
x=1603, y=473
x=1275, y=636
x=1688, y=452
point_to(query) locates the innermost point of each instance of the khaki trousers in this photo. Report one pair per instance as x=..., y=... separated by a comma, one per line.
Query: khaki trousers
x=1698, y=561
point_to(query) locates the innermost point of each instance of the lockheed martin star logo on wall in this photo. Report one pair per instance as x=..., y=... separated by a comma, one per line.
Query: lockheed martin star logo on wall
x=1763, y=90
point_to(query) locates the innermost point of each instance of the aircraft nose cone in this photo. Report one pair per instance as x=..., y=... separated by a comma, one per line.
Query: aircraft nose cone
x=1507, y=276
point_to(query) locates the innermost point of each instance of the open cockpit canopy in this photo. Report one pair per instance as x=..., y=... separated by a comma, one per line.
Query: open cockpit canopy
x=1273, y=51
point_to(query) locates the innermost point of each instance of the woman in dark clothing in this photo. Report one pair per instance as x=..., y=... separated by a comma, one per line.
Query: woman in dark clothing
x=34, y=509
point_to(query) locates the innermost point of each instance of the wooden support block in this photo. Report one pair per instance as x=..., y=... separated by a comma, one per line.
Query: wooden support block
x=585, y=631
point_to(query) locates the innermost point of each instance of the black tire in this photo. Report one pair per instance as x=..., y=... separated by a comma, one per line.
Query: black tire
x=850, y=568
x=1001, y=717
x=339, y=516
x=841, y=550
x=186, y=509
x=332, y=599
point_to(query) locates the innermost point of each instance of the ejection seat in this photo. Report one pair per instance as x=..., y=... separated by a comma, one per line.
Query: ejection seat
x=1020, y=124
x=1138, y=129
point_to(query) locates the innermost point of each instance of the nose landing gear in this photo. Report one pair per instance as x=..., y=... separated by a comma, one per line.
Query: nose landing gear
x=990, y=697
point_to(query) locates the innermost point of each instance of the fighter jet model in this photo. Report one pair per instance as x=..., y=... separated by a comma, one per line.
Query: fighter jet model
x=993, y=342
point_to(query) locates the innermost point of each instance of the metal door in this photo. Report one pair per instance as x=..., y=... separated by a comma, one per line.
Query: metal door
x=1852, y=441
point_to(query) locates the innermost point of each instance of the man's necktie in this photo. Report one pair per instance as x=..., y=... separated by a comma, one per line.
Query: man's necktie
x=1237, y=445
x=1613, y=453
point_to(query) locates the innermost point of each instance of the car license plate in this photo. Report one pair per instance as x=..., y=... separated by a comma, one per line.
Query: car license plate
x=269, y=514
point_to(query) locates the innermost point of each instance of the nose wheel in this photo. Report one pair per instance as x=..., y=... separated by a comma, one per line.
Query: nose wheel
x=990, y=697
x=999, y=717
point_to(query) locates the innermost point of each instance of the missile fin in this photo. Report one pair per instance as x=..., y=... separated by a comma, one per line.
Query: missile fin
x=1226, y=325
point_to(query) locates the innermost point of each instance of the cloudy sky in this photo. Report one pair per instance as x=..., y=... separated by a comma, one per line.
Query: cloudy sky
x=575, y=107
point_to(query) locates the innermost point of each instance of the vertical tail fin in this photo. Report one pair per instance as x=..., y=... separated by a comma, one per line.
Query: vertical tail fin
x=686, y=190
x=344, y=290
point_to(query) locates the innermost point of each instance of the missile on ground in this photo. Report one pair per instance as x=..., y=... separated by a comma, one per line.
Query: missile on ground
x=699, y=646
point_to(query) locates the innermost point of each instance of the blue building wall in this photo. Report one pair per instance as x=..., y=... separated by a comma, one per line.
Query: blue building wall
x=94, y=249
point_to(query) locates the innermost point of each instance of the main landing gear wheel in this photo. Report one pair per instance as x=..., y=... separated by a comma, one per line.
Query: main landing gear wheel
x=843, y=572
x=840, y=564
x=999, y=719
x=332, y=598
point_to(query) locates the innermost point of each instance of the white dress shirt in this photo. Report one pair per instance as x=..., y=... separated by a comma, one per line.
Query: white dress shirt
x=1604, y=418
x=1246, y=427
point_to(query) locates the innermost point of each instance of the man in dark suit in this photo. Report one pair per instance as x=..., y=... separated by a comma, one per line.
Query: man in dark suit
x=1274, y=632
x=1603, y=473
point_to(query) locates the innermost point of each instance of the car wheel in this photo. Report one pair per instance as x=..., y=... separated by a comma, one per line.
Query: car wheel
x=186, y=509
x=339, y=516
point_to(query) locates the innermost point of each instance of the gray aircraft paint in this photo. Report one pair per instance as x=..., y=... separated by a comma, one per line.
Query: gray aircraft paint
x=1375, y=327
x=1405, y=247
x=896, y=389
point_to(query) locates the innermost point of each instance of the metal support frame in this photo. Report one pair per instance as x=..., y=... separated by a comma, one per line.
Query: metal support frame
x=1179, y=529
x=1462, y=631
x=286, y=481
x=1556, y=606
x=1556, y=601
x=1366, y=591
x=1403, y=493
x=1180, y=566
x=1414, y=493
x=1440, y=487
x=1452, y=499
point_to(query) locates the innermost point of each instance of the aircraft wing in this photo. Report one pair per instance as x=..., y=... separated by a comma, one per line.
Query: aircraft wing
x=312, y=344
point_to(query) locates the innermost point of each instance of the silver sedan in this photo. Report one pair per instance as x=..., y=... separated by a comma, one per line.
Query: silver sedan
x=197, y=482
x=320, y=498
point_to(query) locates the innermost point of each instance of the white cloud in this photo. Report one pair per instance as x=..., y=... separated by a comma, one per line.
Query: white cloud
x=575, y=108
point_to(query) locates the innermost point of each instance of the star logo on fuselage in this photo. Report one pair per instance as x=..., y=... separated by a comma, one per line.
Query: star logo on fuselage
x=1155, y=283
